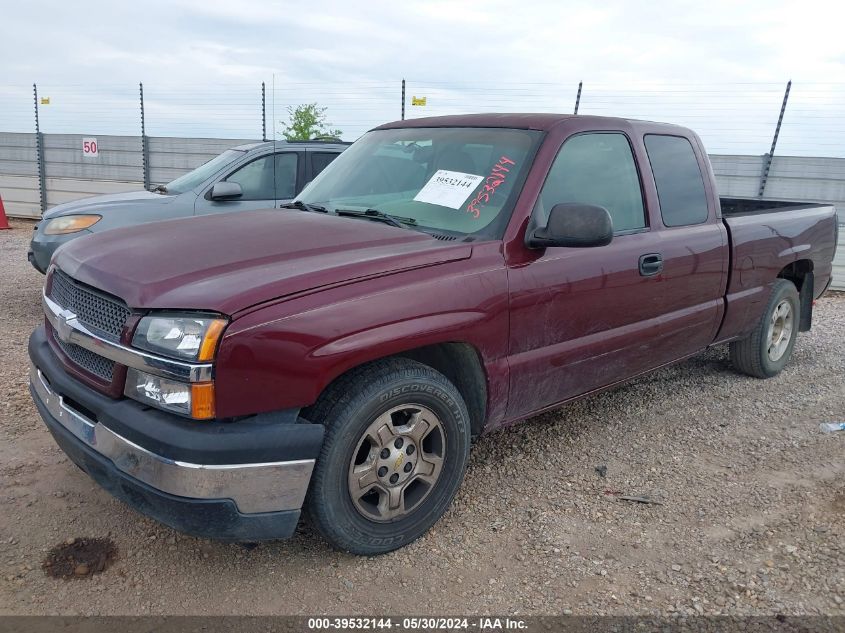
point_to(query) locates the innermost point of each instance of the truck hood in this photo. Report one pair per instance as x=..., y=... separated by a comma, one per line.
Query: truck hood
x=230, y=262
x=129, y=200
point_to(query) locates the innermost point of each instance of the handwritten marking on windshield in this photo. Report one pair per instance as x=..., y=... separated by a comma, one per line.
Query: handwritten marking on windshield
x=497, y=176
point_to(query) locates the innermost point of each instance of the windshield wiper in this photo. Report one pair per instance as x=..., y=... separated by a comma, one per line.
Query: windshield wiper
x=159, y=189
x=304, y=206
x=381, y=216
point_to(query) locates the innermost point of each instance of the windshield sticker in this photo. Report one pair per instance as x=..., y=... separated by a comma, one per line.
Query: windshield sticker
x=448, y=188
x=497, y=176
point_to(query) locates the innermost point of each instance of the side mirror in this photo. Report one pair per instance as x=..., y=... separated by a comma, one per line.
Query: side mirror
x=226, y=191
x=575, y=225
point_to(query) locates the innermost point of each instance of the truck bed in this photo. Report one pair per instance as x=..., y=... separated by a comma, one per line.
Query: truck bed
x=732, y=207
x=768, y=237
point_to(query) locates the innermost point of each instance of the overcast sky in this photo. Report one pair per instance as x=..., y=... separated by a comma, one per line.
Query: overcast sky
x=717, y=66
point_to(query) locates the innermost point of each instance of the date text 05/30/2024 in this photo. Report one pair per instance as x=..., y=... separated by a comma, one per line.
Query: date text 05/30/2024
x=417, y=624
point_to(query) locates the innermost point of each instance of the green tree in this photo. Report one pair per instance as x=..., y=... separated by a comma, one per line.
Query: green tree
x=307, y=121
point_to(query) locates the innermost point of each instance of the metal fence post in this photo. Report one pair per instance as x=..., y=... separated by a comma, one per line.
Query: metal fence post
x=263, y=112
x=403, y=99
x=767, y=159
x=39, y=154
x=145, y=147
x=578, y=97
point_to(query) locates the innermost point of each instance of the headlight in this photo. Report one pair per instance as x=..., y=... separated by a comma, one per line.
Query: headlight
x=195, y=400
x=183, y=336
x=70, y=224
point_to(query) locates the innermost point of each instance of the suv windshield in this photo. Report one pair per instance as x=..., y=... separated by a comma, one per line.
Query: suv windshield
x=203, y=172
x=457, y=180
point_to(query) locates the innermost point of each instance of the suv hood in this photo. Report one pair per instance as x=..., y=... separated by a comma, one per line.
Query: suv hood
x=130, y=200
x=230, y=262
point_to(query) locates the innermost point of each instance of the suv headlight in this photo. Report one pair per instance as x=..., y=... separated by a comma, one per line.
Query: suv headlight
x=181, y=336
x=70, y=224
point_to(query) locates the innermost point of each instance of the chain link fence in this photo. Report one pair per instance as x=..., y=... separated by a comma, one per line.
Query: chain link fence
x=151, y=133
x=731, y=118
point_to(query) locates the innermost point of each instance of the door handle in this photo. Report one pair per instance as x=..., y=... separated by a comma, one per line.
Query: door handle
x=651, y=264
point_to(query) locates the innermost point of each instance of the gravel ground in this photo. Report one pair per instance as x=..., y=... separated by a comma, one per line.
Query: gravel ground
x=752, y=521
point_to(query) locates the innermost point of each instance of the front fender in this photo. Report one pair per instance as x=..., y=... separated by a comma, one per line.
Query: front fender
x=400, y=337
x=285, y=355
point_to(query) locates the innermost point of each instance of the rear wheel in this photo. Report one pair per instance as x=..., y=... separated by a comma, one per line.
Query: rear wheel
x=395, y=452
x=769, y=347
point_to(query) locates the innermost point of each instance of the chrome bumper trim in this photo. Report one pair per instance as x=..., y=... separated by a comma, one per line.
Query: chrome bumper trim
x=265, y=487
x=70, y=330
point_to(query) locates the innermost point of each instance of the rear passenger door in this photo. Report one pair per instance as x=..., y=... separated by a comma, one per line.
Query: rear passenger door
x=317, y=162
x=693, y=246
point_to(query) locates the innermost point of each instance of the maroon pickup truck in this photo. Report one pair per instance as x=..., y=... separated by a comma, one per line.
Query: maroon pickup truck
x=442, y=278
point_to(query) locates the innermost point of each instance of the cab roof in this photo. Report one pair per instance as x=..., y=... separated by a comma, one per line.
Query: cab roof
x=523, y=121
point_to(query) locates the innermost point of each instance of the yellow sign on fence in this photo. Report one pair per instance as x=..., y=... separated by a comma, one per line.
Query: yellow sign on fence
x=417, y=101
x=45, y=100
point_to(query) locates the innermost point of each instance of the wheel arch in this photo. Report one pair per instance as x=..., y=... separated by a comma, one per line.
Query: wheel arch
x=800, y=273
x=460, y=362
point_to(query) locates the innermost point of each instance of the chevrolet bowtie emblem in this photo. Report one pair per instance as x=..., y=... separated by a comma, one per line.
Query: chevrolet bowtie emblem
x=65, y=320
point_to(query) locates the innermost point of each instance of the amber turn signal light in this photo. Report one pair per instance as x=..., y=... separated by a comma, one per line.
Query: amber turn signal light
x=209, y=341
x=202, y=400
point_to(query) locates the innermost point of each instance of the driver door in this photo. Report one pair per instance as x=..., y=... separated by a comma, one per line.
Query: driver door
x=584, y=318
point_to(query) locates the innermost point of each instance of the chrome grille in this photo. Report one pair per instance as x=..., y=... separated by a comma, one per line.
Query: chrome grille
x=89, y=361
x=95, y=310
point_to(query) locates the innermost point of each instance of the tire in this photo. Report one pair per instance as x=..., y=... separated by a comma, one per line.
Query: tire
x=758, y=355
x=387, y=424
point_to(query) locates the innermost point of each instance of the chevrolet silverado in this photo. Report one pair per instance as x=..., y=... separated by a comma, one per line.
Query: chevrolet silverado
x=442, y=278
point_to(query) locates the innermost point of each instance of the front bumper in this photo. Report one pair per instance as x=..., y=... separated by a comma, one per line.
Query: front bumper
x=236, y=481
x=42, y=247
x=36, y=264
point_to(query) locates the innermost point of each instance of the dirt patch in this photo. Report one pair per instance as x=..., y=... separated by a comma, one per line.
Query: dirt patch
x=79, y=558
x=839, y=503
x=753, y=521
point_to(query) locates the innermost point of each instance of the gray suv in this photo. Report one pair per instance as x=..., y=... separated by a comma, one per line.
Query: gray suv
x=255, y=176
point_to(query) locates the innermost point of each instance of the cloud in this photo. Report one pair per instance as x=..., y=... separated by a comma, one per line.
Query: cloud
x=719, y=66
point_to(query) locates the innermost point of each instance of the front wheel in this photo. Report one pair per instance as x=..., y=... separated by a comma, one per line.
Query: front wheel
x=769, y=347
x=396, y=448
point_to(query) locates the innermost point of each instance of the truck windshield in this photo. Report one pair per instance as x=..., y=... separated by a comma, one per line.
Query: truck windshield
x=455, y=180
x=203, y=172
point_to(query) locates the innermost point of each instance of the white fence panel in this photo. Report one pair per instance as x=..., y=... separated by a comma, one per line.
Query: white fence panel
x=20, y=196
x=62, y=190
x=119, y=167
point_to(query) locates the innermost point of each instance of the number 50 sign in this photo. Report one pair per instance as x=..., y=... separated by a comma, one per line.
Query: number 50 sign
x=90, y=148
